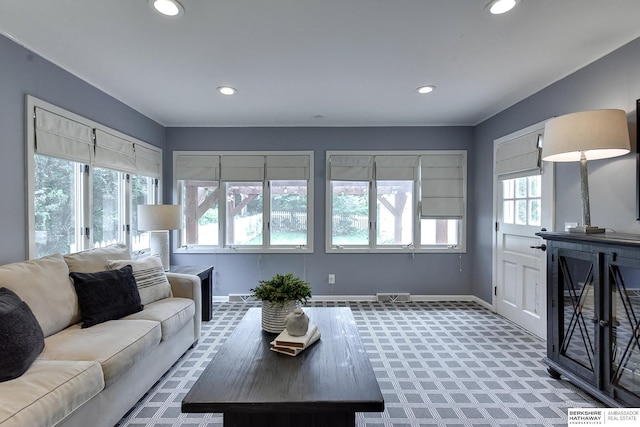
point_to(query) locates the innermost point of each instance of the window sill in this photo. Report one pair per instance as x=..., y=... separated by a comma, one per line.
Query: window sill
x=435, y=250
x=241, y=250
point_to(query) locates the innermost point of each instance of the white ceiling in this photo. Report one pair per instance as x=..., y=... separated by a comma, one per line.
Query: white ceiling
x=320, y=62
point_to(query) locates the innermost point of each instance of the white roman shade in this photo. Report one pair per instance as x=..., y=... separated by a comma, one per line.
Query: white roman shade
x=402, y=168
x=350, y=168
x=242, y=168
x=113, y=152
x=148, y=161
x=442, y=186
x=287, y=167
x=60, y=137
x=518, y=155
x=203, y=167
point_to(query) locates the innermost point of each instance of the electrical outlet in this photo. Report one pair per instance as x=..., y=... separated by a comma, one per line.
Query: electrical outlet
x=332, y=279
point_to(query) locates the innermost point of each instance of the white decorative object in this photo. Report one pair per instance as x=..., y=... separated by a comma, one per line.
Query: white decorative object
x=296, y=323
x=274, y=315
x=158, y=220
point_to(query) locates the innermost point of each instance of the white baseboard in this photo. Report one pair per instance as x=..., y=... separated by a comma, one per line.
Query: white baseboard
x=368, y=298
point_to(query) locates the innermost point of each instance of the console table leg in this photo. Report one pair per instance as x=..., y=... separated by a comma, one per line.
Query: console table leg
x=553, y=373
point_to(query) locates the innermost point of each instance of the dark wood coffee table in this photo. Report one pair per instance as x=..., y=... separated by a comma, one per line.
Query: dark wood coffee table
x=325, y=385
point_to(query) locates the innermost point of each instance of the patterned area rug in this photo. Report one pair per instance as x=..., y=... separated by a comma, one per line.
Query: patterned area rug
x=437, y=363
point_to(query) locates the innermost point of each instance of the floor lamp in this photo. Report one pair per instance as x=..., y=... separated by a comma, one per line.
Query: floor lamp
x=158, y=220
x=583, y=136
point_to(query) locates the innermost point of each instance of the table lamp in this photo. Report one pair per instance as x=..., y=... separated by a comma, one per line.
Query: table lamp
x=587, y=135
x=158, y=220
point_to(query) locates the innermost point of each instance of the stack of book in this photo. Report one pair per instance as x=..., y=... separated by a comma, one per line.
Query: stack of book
x=287, y=344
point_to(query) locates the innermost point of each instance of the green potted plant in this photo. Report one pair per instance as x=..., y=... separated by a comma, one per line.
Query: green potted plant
x=280, y=295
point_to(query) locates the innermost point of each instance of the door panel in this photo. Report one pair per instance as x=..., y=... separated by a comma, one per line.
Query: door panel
x=531, y=303
x=521, y=291
x=510, y=274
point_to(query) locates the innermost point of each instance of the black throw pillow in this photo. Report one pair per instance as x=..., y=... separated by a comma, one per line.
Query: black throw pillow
x=106, y=295
x=21, y=337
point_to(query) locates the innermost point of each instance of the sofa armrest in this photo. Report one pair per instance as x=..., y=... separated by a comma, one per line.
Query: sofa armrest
x=188, y=286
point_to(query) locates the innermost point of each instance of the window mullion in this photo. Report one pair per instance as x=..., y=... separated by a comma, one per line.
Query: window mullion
x=126, y=210
x=373, y=208
x=85, y=207
x=266, y=214
x=155, y=191
x=372, y=213
x=417, y=230
x=222, y=214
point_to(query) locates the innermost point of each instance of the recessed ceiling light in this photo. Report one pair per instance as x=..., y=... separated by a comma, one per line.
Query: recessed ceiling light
x=426, y=89
x=167, y=7
x=227, y=90
x=498, y=7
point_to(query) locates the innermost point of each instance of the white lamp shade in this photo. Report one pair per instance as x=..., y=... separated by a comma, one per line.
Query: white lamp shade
x=599, y=133
x=159, y=217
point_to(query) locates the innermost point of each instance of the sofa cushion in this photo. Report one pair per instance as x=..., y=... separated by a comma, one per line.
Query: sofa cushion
x=150, y=277
x=172, y=313
x=116, y=345
x=21, y=338
x=106, y=295
x=45, y=286
x=93, y=260
x=48, y=392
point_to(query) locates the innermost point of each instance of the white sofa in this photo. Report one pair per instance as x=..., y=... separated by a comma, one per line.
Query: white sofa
x=92, y=376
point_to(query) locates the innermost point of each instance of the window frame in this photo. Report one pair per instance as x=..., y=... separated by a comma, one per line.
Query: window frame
x=84, y=184
x=266, y=246
x=415, y=246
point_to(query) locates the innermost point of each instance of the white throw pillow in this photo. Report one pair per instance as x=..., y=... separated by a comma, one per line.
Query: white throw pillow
x=94, y=260
x=150, y=277
x=45, y=286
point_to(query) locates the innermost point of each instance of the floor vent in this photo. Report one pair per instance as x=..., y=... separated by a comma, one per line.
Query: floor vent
x=389, y=297
x=240, y=297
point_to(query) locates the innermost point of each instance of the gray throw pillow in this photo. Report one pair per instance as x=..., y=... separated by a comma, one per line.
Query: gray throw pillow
x=21, y=337
x=106, y=295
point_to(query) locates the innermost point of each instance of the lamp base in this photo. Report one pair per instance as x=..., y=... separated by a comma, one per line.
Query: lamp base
x=586, y=229
x=159, y=245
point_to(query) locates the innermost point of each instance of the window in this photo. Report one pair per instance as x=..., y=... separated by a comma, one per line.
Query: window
x=350, y=213
x=108, y=197
x=394, y=213
x=266, y=205
x=144, y=191
x=288, y=214
x=244, y=213
x=442, y=209
x=56, y=198
x=386, y=202
x=521, y=200
x=84, y=183
x=519, y=165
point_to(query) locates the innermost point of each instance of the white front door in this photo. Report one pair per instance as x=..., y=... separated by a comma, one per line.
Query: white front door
x=524, y=206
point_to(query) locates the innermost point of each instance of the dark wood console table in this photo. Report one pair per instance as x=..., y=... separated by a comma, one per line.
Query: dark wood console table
x=593, y=313
x=205, y=274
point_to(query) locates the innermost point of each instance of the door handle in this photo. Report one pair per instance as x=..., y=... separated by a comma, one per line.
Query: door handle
x=542, y=247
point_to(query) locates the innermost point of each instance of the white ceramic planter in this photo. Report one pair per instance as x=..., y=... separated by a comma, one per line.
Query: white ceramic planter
x=273, y=315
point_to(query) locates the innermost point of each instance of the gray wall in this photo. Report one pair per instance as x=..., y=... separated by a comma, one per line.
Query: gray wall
x=24, y=73
x=356, y=274
x=611, y=82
